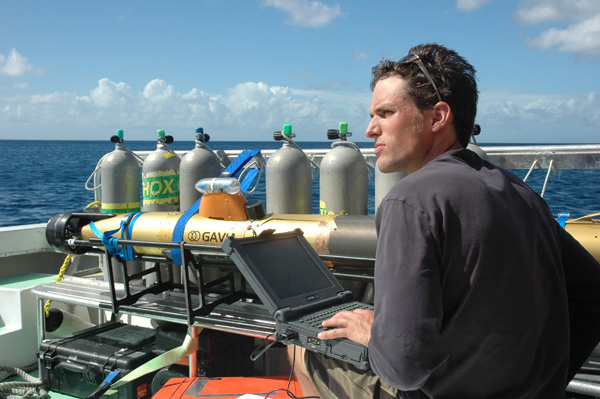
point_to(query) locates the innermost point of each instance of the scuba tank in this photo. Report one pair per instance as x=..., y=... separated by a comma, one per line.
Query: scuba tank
x=197, y=164
x=160, y=177
x=160, y=185
x=118, y=182
x=474, y=147
x=288, y=177
x=120, y=179
x=384, y=183
x=343, y=176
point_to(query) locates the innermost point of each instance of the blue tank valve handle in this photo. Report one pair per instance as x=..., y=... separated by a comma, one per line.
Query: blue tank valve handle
x=104, y=386
x=562, y=218
x=201, y=136
x=112, y=243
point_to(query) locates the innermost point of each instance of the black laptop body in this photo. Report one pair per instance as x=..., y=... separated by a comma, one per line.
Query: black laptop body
x=294, y=284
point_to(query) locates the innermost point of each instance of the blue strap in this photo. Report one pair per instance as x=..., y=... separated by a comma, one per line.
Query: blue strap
x=562, y=218
x=180, y=229
x=111, y=243
x=104, y=386
x=240, y=161
x=248, y=179
x=127, y=234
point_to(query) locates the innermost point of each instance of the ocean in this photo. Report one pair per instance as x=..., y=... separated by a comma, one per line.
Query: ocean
x=41, y=178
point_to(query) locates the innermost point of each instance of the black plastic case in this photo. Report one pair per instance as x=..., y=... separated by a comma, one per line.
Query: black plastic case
x=77, y=364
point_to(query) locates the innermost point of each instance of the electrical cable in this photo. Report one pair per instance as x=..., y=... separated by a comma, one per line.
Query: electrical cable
x=258, y=353
x=287, y=389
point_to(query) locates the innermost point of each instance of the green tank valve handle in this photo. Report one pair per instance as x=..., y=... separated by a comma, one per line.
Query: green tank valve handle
x=163, y=138
x=342, y=132
x=285, y=134
x=287, y=129
x=117, y=138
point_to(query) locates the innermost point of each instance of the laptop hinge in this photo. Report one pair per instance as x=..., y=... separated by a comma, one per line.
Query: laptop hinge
x=288, y=313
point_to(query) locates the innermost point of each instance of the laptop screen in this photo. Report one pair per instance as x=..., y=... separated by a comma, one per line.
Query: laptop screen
x=286, y=267
x=283, y=269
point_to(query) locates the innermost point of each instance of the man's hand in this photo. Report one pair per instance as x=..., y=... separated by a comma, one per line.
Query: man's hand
x=355, y=325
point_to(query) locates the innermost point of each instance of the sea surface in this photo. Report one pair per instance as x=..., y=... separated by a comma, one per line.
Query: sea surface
x=40, y=178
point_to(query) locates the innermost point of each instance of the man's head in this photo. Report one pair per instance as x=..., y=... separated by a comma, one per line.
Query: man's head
x=450, y=76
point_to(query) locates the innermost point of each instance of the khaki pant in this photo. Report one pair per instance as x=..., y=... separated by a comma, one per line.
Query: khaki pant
x=334, y=379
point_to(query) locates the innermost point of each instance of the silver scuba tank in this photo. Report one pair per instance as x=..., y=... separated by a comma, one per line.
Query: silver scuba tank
x=160, y=177
x=384, y=182
x=343, y=181
x=120, y=179
x=473, y=145
x=288, y=177
x=197, y=164
x=117, y=181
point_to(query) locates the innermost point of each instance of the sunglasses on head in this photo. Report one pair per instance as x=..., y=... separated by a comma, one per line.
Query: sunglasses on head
x=415, y=58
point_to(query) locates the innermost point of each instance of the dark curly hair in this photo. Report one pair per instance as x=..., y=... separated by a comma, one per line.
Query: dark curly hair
x=453, y=76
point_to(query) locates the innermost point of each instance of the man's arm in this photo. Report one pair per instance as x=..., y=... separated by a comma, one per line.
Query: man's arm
x=408, y=303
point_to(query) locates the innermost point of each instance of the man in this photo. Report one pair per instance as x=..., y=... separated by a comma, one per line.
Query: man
x=479, y=293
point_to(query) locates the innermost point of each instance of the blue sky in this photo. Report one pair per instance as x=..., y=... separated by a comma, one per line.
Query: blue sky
x=243, y=68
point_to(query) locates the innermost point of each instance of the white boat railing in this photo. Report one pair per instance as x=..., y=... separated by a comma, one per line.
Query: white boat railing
x=581, y=156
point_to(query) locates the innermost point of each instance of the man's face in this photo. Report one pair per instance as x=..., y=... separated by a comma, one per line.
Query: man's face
x=402, y=142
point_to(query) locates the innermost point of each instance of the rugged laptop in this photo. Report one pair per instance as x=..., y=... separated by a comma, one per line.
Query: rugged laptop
x=296, y=286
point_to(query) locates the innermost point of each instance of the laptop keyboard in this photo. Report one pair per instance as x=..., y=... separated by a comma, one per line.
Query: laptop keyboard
x=315, y=319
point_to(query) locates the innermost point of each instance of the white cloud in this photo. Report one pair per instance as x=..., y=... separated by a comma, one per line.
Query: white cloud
x=516, y=116
x=582, y=39
x=16, y=65
x=537, y=14
x=581, y=36
x=470, y=5
x=249, y=110
x=158, y=91
x=536, y=11
x=254, y=110
x=579, y=30
x=309, y=14
x=109, y=94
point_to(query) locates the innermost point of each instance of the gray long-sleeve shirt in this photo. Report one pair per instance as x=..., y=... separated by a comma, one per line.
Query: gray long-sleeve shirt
x=470, y=293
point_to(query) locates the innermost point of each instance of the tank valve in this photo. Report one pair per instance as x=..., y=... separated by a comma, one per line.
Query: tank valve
x=342, y=133
x=285, y=134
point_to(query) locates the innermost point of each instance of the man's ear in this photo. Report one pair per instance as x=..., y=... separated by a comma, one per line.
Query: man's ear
x=442, y=116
